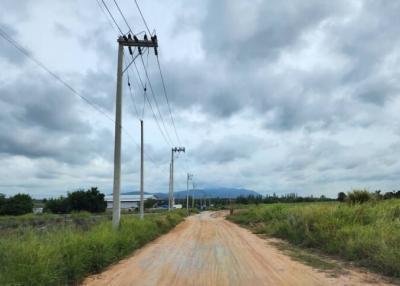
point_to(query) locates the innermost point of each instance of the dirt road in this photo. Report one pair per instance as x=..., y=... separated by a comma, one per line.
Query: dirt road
x=206, y=249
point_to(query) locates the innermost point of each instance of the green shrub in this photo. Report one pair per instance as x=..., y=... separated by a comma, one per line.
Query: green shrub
x=359, y=196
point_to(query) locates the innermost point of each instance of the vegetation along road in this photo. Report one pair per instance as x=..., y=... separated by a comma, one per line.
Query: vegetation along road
x=206, y=249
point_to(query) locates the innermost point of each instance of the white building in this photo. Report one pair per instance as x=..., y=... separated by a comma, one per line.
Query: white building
x=127, y=201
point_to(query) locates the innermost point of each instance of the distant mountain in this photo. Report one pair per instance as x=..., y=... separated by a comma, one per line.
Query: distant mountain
x=226, y=193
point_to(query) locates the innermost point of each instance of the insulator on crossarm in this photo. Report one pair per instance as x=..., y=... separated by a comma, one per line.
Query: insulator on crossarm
x=145, y=37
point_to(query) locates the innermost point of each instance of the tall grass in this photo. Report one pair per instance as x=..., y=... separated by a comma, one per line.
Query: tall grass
x=368, y=233
x=65, y=255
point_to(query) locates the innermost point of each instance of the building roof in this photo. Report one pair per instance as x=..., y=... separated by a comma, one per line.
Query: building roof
x=129, y=198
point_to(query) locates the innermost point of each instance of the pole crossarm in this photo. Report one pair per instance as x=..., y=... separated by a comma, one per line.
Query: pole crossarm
x=135, y=42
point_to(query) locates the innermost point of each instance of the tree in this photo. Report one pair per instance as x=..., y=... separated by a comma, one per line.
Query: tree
x=17, y=205
x=57, y=206
x=341, y=197
x=91, y=200
x=2, y=202
x=149, y=203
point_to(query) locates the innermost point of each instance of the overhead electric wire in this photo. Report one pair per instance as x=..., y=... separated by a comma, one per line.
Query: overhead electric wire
x=163, y=83
x=26, y=53
x=155, y=99
x=112, y=17
x=166, y=98
x=123, y=16
x=151, y=107
x=165, y=133
x=143, y=19
x=132, y=96
x=105, y=14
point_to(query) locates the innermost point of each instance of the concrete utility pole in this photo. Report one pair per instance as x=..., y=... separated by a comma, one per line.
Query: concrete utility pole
x=189, y=177
x=123, y=41
x=117, y=148
x=141, y=172
x=193, y=195
x=171, y=191
x=169, y=188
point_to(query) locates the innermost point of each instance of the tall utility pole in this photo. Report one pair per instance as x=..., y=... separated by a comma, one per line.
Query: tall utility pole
x=171, y=190
x=189, y=177
x=123, y=41
x=141, y=172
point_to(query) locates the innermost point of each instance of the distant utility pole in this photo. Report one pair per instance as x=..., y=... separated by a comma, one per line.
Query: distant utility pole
x=141, y=172
x=189, y=177
x=123, y=41
x=194, y=188
x=171, y=190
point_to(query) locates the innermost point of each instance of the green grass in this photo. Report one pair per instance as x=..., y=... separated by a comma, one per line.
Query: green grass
x=65, y=255
x=368, y=234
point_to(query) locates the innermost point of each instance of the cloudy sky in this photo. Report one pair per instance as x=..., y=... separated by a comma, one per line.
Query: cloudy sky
x=275, y=96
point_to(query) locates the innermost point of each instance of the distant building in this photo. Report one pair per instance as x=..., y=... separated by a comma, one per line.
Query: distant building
x=128, y=201
x=37, y=210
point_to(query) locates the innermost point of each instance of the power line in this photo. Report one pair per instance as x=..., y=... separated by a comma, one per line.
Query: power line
x=123, y=17
x=148, y=79
x=132, y=96
x=25, y=52
x=155, y=99
x=141, y=14
x=166, y=98
x=151, y=106
x=162, y=77
x=105, y=14
x=112, y=17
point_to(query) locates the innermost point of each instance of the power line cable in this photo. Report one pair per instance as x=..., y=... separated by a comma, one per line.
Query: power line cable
x=112, y=17
x=108, y=17
x=166, y=98
x=26, y=53
x=141, y=14
x=151, y=107
x=155, y=99
x=123, y=16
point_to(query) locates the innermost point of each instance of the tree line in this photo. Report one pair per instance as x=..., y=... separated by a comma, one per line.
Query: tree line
x=15, y=205
x=91, y=200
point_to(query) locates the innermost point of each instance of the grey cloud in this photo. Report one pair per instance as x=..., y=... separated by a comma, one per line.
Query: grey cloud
x=227, y=149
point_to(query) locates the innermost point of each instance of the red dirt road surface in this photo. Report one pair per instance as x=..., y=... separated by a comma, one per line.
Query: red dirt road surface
x=208, y=250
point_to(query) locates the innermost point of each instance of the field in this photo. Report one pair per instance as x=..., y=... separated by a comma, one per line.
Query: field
x=64, y=254
x=367, y=234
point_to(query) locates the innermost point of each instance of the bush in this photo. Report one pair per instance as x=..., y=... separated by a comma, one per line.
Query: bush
x=17, y=205
x=341, y=197
x=359, y=196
